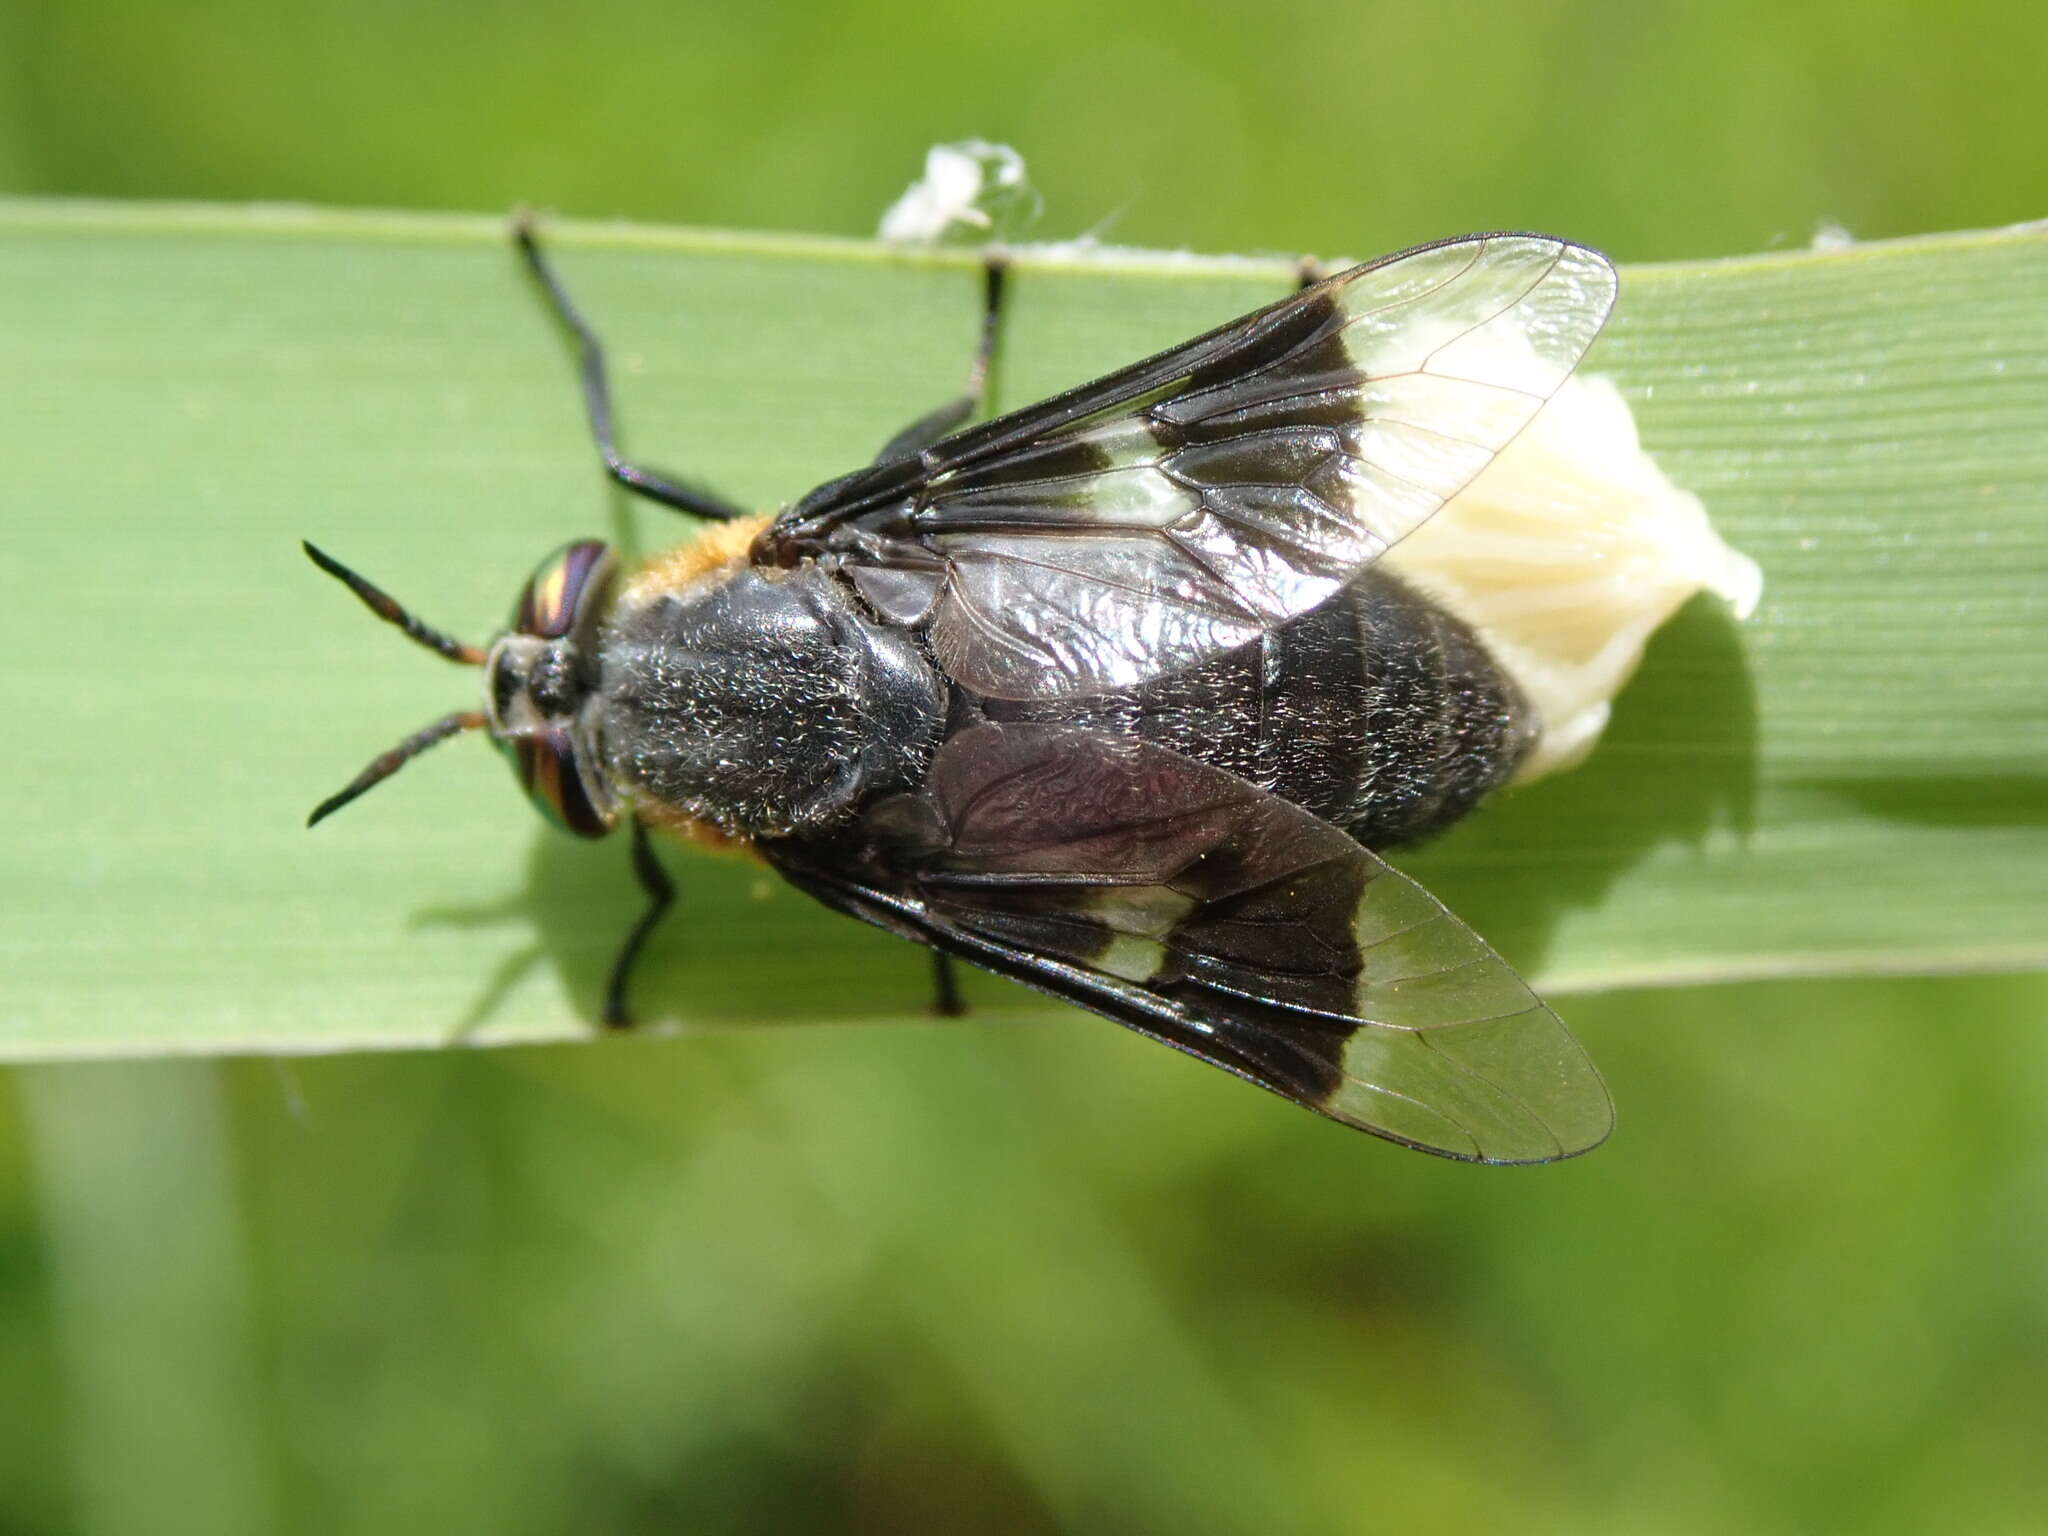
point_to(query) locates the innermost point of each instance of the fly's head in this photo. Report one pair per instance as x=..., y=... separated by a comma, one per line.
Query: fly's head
x=540, y=682
x=540, y=677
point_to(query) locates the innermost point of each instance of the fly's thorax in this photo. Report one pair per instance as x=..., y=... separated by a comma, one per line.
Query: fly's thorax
x=761, y=701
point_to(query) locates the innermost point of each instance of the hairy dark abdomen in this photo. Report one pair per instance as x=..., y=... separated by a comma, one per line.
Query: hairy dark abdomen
x=1378, y=711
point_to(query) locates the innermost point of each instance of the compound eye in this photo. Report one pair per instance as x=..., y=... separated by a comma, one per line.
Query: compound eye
x=551, y=771
x=566, y=589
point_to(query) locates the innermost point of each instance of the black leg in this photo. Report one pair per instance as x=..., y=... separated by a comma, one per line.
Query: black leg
x=945, y=987
x=929, y=428
x=1307, y=273
x=660, y=892
x=597, y=396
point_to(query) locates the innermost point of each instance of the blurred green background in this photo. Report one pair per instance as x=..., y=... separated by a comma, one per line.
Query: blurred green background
x=1039, y=1278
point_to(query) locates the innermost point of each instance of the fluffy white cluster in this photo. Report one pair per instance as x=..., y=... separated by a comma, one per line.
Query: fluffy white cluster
x=966, y=188
x=1565, y=554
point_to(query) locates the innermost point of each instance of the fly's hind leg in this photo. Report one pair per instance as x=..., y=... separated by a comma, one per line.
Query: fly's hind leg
x=929, y=428
x=946, y=999
x=660, y=892
x=597, y=395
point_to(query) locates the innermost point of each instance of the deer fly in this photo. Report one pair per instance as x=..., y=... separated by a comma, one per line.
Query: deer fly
x=1108, y=695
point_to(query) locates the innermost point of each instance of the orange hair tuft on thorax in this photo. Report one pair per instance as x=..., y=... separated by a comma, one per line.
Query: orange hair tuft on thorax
x=717, y=548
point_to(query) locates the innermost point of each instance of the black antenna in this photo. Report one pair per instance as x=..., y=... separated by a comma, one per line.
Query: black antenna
x=388, y=763
x=387, y=608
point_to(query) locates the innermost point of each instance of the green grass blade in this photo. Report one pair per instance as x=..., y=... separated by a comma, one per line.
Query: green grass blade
x=1854, y=782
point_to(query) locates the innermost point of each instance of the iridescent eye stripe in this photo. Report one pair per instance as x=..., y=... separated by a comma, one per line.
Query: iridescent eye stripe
x=525, y=761
x=578, y=814
x=548, y=773
x=552, y=601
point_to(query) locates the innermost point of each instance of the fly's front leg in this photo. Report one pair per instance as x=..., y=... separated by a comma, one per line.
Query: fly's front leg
x=660, y=892
x=597, y=395
x=929, y=428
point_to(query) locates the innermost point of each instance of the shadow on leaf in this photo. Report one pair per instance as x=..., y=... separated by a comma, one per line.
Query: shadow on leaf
x=1678, y=762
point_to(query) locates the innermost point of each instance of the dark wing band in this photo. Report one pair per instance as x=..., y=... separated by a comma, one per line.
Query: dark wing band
x=1197, y=909
x=1180, y=507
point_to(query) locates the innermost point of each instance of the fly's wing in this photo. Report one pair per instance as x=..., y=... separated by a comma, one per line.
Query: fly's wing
x=1181, y=506
x=1196, y=908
